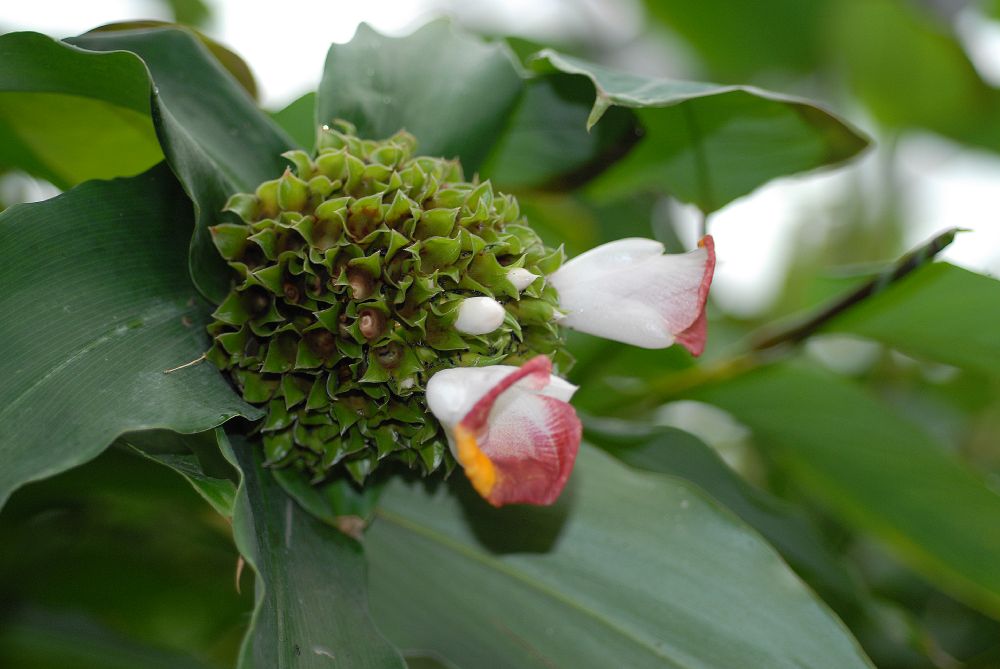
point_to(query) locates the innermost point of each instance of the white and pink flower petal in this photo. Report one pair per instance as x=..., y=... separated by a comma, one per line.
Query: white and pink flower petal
x=511, y=428
x=630, y=291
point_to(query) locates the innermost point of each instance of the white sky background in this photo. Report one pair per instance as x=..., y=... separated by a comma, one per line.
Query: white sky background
x=285, y=43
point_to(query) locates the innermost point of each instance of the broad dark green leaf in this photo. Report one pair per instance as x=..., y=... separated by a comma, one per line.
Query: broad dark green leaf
x=226, y=57
x=877, y=472
x=629, y=569
x=215, y=138
x=940, y=312
x=97, y=303
x=312, y=604
x=451, y=91
x=53, y=95
x=787, y=528
x=704, y=143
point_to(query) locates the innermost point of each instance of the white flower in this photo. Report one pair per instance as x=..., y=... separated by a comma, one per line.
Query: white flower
x=479, y=315
x=520, y=277
x=629, y=291
x=511, y=428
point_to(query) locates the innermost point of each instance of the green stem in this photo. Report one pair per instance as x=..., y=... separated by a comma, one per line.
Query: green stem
x=803, y=329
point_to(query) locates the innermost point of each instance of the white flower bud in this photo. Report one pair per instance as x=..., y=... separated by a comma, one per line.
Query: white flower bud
x=520, y=277
x=479, y=315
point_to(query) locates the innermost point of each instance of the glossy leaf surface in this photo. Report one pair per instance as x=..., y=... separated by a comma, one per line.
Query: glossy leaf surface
x=451, y=91
x=704, y=143
x=627, y=569
x=787, y=528
x=215, y=138
x=98, y=304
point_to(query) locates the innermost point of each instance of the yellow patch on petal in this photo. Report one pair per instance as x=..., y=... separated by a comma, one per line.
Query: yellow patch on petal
x=479, y=468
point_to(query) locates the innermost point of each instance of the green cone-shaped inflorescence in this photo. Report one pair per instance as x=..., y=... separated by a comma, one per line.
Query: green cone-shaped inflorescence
x=351, y=268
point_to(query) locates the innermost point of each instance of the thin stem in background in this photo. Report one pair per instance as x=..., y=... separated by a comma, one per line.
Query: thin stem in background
x=802, y=330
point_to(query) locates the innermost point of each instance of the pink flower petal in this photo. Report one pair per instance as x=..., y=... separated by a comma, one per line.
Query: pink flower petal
x=693, y=338
x=518, y=445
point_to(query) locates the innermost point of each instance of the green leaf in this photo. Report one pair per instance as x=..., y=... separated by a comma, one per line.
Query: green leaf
x=52, y=94
x=312, y=608
x=97, y=304
x=547, y=143
x=298, y=120
x=940, y=312
x=628, y=570
x=787, y=528
x=215, y=138
x=704, y=143
x=877, y=472
x=195, y=457
x=419, y=660
x=902, y=60
x=911, y=71
x=451, y=91
x=226, y=57
x=741, y=39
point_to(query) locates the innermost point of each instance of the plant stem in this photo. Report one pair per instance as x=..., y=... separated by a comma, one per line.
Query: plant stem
x=802, y=330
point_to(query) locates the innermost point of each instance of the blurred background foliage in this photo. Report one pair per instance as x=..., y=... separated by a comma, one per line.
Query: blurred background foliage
x=864, y=413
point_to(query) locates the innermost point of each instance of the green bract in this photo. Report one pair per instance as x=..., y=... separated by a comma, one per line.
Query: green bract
x=350, y=271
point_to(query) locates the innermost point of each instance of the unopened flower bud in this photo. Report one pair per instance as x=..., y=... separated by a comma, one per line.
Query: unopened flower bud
x=520, y=277
x=479, y=315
